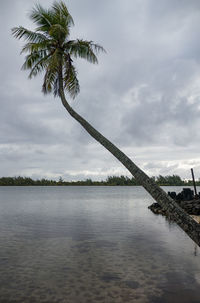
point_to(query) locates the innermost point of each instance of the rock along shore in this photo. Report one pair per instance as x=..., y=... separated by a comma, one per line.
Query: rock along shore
x=191, y=207
x=186, y=200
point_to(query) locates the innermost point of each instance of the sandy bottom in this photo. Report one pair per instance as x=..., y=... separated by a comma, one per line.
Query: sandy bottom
x=56, y=270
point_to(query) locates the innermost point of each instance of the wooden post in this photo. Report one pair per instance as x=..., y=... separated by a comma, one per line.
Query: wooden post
x=194, y=184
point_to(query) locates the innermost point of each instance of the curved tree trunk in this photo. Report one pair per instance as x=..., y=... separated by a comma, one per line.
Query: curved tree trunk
x=191, y=227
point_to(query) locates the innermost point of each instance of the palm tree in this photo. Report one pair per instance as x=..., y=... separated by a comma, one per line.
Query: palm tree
x=50, y=51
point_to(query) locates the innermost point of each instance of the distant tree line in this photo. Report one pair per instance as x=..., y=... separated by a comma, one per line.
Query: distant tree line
x=173, y=180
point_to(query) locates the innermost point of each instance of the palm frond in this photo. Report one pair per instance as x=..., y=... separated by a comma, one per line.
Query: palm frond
x=22, y=32
x=42, y=17
x=39, y=66
x=49, y=79
x=84, y=49
x=51, y=75
x=71, y=83
x=30, y=60
x=62, y=13
x=97, y=48
x=33, y=58
x=34, y=47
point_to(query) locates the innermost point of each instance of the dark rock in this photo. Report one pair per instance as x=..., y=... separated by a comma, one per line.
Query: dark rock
x=157, y=209
x=132, y=284
x=192, y=207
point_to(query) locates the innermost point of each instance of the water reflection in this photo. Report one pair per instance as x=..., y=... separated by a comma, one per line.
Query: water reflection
x=92, y=245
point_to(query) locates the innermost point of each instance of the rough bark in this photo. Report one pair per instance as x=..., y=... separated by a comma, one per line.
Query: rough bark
x=190, y=226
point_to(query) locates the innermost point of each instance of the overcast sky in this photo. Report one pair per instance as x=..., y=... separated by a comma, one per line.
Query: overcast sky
x=144, y=95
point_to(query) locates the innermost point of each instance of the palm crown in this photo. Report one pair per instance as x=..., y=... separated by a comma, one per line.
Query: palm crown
x=49, y=48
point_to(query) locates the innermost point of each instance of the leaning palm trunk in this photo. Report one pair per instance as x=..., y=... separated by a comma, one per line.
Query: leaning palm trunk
x=186, y=222
x=50, y=50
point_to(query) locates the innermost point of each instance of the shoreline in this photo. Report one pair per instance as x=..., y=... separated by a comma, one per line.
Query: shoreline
x=158, y=210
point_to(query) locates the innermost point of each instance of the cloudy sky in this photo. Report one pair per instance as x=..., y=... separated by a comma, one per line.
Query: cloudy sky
x=144, y=95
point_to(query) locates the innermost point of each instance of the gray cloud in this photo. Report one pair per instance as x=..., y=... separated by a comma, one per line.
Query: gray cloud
x=144, y=94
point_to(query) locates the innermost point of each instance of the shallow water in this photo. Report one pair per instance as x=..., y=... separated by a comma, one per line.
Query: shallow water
x=92, y=244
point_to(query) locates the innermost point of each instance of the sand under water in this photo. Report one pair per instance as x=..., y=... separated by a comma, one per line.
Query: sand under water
x=100, y=271
x=93, y=250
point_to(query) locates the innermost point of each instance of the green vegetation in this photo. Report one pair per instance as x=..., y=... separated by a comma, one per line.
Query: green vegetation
x=110, y=181
x=49, y=49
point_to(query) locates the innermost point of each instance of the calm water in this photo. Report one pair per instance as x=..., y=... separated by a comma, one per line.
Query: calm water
x=92, y=244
